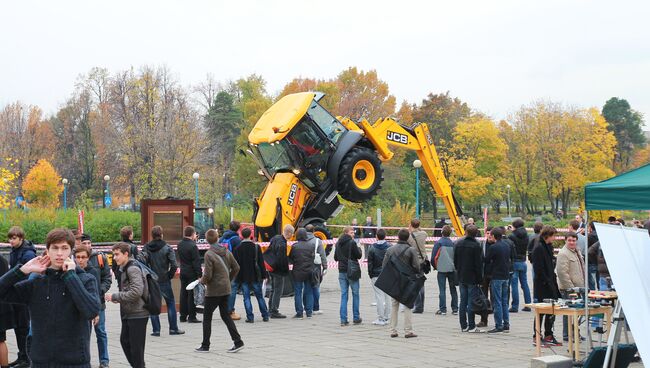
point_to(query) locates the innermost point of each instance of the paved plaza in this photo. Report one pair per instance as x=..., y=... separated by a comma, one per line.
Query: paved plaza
x=321, y=341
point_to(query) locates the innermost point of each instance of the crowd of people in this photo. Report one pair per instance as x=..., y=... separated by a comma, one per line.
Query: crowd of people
x=60, y=295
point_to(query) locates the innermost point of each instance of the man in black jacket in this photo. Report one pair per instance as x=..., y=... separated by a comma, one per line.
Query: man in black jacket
x=160, y=257
x=62, y=299
x=22, y=251
x=498, y=263
x=545, y=281
x=468, y=261
x=347, y=249
x=99, y=262
x=520, y=238
x=276, y=257
x=190, y=262
x=301, y=257
x=251, y=274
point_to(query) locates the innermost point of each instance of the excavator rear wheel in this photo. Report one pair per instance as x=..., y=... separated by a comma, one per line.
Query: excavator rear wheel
x=360, y=175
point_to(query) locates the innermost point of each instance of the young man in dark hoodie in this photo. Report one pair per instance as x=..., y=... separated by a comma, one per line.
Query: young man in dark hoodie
x=276, y=257
x=319, y=246
x=231, y=240
x=520, y=238
x=22, y=251
x=61, y=298
x=160, y=257
x=301, y=256
x=251, y=274
x=497, y=264
x=190, y=262
x=376, y=255
x=99, y=262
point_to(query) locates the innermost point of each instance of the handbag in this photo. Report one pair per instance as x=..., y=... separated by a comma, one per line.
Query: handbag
x=400, y=281
x=354, y=269
x=317, y=260
x=425, y=267
x=199, y=294
x=480, y=302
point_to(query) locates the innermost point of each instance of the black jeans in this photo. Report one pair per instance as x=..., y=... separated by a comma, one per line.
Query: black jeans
x=21, y=316
x=211, y=303
x=418, y=307
x=132, y=338
x=277, y=288
x=187, y=307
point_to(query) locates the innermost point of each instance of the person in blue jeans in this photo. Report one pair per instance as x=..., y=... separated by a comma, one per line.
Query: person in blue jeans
x=497, y=264
x=468, y=261
x=251, y=274
x=97, y=264
x=520, y=239
x=160, y=257
x=302, y=256
x=346, y=249
x=442, y=259
x=320, y=249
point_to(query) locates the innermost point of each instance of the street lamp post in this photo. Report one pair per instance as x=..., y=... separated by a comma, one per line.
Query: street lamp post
x=417, y=164
x=107, y=192
x=508, y=187
x=65, y=194
x=196, y=189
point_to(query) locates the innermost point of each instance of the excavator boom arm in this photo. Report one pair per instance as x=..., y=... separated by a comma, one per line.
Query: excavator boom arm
x=388, y=132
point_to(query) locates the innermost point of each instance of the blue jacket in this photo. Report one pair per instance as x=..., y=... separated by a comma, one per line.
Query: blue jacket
x=61, y=306
x=22, y=254
x=445, y=261
x=226, y=238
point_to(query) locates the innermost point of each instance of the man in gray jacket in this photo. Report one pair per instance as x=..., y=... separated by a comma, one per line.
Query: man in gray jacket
x=409, y=256
x=130, y=297
x=160, y=257
x=442, y=259
x=418, y=241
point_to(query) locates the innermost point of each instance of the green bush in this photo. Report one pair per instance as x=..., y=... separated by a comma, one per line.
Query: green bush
x=103, y=225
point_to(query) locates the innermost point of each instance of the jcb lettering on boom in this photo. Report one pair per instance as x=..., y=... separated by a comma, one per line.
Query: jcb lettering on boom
x=397, y=137
x=292, y=194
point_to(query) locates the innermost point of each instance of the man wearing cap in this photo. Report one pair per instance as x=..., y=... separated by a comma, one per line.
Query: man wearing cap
x=99, y=261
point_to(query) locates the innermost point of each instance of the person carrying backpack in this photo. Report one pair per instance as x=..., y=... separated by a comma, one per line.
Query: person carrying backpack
x=160, y=257
x=131, y=298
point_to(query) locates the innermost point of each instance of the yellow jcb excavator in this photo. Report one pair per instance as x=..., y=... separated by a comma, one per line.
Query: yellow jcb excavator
x=311, y=157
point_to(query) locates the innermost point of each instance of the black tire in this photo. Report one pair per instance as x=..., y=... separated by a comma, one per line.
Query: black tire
x=360, y=175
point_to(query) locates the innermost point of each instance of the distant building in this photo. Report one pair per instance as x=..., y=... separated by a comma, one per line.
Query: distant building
x=647, y=135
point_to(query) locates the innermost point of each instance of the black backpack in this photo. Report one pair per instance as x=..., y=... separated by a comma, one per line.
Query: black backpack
x=151, y=296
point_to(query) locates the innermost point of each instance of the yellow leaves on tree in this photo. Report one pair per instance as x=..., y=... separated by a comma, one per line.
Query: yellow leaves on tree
x=7, y=177
x=42, y=186
x=477, y=154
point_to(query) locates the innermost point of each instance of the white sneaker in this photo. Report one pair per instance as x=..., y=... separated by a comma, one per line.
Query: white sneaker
x=476, y=330
x=318, y=312
x=373, y=304
x=379, y=322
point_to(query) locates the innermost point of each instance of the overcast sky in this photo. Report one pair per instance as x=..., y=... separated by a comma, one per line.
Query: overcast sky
x=495, y=55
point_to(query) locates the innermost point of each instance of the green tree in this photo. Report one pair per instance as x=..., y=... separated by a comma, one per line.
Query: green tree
x=626, y=125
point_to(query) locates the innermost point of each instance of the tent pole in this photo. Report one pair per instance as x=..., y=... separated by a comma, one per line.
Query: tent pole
x=586, y=255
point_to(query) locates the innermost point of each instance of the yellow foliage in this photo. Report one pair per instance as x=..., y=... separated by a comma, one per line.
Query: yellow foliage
x=7, y=178
x=42, y=185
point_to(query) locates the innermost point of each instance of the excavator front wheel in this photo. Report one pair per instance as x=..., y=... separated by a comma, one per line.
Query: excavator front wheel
x=360, y=175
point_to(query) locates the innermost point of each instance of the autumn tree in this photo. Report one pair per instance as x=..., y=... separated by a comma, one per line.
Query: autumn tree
x=42, y=185
x=626, y=125
x=8, y=175
x=476, y=158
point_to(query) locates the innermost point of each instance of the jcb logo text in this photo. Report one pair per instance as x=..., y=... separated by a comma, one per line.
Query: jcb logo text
x=397, y=137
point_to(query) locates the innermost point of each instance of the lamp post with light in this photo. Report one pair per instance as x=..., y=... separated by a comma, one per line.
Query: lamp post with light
x=196, y=189
x=508, y=187
x=417, y=164
x=107, y=192
x=65, y=194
